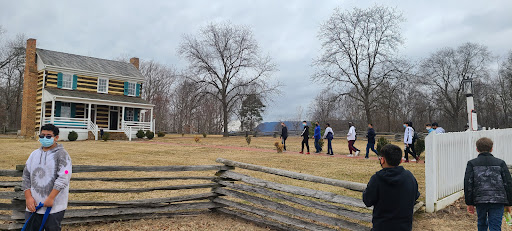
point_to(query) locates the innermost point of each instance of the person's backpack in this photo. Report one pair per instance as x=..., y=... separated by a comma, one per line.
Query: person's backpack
x=329, y=136
x=414, y=137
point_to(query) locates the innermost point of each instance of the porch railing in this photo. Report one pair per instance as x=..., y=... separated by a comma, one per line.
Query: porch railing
x=93, y=128
x=65, y=122
x=145, y=126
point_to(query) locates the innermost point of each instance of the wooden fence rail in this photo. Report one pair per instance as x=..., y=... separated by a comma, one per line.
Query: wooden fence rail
x=272, y=204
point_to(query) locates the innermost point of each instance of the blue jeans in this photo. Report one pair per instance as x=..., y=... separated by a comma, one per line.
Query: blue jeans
x=372, y=147
x=329, y=146
x=489, y=215
x=317, y=145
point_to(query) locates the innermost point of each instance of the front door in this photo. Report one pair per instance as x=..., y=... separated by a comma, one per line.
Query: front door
x=114, y=120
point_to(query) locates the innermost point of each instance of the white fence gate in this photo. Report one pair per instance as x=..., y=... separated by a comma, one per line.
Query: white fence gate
x=446, y=158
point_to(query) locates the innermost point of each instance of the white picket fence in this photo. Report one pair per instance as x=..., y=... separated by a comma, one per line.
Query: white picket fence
x=446, y=158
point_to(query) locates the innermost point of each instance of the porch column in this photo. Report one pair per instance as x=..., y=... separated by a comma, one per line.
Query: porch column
x=43, y=112
x=152, y=126
x=89, y=113
x=53, y=112
x=122, y=118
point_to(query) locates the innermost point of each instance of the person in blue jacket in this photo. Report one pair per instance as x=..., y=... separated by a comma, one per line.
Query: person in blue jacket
x=317, y=136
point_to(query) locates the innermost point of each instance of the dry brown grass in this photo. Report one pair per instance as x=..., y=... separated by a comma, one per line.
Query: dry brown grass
x=177, y=150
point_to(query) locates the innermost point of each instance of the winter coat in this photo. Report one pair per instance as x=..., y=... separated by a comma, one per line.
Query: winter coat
x=371, y=136
x=305, y=132
x=317, y=134
x=487, y=180
x=393, y=193
x=284, y=132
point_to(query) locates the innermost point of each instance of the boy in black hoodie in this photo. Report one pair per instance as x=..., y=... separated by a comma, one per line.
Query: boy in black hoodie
x=392, y=192
x=305, y=137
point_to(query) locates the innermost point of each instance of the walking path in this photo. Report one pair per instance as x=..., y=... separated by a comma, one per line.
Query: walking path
x=361, y=156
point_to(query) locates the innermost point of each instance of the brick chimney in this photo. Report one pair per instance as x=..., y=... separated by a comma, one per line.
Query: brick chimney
x=28, y=108
x=135, y=62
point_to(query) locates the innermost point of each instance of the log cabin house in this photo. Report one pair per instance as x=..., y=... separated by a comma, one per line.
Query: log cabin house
x=83, y=94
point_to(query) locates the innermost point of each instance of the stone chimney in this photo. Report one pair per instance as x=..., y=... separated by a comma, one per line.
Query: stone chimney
x=28, y=107
x=135, y=62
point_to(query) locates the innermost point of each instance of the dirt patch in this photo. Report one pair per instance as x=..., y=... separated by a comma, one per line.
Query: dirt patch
x=453, y=217
x=204, y=222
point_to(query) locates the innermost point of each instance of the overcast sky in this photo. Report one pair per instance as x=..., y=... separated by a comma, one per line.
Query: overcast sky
x=286, y=30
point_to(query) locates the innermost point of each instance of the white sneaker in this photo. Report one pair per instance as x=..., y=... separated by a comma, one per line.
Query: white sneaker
x=350, y=155
x=403, y=159
x=413, y=160
x=357, y=153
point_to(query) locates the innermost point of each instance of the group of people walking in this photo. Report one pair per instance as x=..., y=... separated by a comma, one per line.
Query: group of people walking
x=410, y=137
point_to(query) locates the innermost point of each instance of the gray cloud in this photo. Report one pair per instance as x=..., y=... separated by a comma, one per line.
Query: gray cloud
x=285, y=30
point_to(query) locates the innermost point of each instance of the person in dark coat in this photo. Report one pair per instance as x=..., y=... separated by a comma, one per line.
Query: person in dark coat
x=371, y=141
x=317, y=137
x=392, y=192
x=487, y=186
x=305, y=136
x=284, y=134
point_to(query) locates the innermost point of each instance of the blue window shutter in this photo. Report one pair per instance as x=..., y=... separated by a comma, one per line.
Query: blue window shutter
x=136, y=114
x=59, y=80
x=137, y=90
x=57, y=108
x=125, y=112
x=73, y=110
x=125, y=88
x=75, y=81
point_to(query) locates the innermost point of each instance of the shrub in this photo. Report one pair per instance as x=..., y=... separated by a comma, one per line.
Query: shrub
x=321, y=143
x=197, y=139
x=380, y=143
x=148, y=131
x=140, y=134
x=279, y=146
x=182, y=134
x=72, y=136
x=161, y=134
x=419, y=147
x=106, y=136
x=150, y=135
x=248, y=140
x=204, y=135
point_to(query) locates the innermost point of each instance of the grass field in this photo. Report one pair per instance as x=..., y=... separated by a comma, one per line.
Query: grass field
x=178, y=150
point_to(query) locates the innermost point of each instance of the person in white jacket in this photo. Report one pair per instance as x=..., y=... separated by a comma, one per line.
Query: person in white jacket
x=351, y=137
x=46, y=179
x=329, y=135
x=409, y=142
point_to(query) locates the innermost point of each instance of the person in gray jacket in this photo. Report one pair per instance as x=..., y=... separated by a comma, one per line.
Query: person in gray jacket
x=46, y=179
x=487, y=186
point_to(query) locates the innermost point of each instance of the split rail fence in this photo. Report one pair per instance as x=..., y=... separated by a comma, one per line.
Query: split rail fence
x=264, y=202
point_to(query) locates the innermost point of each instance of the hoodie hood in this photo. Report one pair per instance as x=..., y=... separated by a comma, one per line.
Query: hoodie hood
x=42, y=158
x=392, y=175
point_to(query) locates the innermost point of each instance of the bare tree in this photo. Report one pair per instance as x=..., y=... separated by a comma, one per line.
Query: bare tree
x=225, y=59
x=444, y=71
x=358, y=52
x=12, y=60
x=158, y=82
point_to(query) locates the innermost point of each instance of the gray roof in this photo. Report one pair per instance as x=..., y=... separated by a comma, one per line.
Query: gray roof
x=86, y=63
x=97, y=96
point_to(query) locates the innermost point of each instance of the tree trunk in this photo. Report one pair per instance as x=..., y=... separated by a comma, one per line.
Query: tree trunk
x=225, y=116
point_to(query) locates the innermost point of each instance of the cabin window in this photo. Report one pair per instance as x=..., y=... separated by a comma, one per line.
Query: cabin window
x=102, y=85
x=131, y=89
x=65, y=110
x=67, y=81
x=129, y=114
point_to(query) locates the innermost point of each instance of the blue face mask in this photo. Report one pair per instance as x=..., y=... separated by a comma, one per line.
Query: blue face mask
x=405, y=126
x=46, y=142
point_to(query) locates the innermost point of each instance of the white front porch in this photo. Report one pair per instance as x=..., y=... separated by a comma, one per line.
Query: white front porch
x=92, y=115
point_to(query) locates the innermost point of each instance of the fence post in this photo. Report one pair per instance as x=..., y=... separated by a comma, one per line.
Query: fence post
x=216, y=180
x=430, y=174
